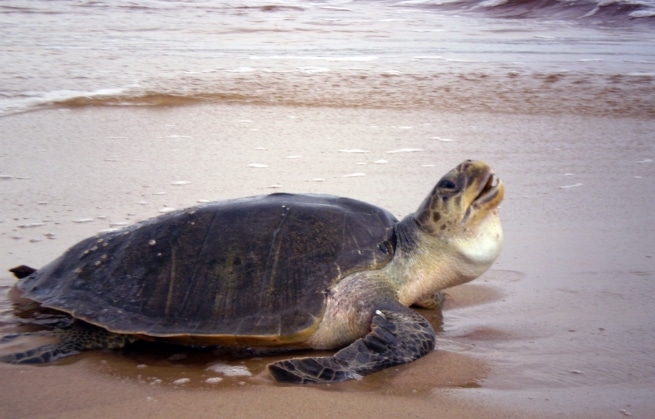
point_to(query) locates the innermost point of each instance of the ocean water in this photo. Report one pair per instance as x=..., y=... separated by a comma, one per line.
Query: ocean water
x=594, y=57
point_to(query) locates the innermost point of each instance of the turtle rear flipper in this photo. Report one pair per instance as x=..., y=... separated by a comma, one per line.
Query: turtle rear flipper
x=71, y=340
x=39, y=355
x=397, y=336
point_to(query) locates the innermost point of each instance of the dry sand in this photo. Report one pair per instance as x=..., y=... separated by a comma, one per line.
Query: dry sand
x=562, y=326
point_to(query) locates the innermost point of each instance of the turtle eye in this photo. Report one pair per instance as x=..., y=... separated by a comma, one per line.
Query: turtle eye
x=447, y=184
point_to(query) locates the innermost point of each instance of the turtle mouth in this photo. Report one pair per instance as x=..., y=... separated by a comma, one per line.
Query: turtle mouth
x=491, y=192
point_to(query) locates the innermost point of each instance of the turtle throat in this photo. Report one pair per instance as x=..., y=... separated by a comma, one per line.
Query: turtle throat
x=424, y=264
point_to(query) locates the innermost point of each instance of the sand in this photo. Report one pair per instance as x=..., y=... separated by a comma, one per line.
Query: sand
x=561, y=326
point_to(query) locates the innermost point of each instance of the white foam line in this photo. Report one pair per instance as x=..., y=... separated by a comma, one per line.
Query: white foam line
x=313, y=70
x=230, y=370
x=361, y=58
x=428, y=57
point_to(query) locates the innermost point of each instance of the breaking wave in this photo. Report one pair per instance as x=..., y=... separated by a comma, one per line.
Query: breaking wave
x=595, y=11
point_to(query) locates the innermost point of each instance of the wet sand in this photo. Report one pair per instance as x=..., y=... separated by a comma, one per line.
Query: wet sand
x=560, y=327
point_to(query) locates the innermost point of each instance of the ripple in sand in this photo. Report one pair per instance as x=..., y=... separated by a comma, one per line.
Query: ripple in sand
x=405, y=150
x=575, y=185
x=353, y=150
x=177, y=136
x=257, y=165
x=108, y=230
x=359, y=174
x=83, y=220
x=445, y=140
x=166, y=210
x=31, y=225
x=180, y=182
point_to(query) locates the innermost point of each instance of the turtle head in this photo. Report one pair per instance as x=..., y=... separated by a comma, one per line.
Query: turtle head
x=459, y=219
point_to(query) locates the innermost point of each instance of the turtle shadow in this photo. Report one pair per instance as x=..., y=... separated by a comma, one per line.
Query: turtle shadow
x=489, y=288
x=166, y=364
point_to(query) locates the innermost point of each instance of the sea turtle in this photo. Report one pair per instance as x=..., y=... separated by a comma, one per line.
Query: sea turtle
x=277, y=271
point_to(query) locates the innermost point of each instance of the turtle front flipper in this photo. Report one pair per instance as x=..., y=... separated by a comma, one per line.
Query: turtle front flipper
x=71, y=340
x=397, y=336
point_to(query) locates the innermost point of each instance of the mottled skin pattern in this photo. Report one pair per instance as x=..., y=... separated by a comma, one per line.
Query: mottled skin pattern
x=321, y=272
x=76, y=338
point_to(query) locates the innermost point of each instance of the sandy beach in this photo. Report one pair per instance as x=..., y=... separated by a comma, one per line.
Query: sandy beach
x=561, y=326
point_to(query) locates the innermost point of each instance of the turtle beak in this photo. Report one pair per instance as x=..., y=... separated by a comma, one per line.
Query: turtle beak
x=484, y=190
x=491, y=191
